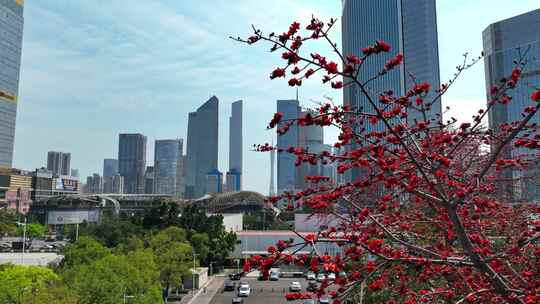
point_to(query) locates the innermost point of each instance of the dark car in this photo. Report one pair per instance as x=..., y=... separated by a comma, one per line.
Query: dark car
x=237, y=301
x=229, y=286
x=236, y=276
x=312, y=286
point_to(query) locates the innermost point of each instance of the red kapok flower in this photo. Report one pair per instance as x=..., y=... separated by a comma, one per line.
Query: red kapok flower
x=337, y=85
x=279, y=72
x=536, y=95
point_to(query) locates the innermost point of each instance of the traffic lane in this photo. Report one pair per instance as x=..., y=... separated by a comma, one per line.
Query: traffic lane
x=261, y=291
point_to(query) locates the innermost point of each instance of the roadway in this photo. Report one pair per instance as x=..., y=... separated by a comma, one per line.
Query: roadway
x=271, y=292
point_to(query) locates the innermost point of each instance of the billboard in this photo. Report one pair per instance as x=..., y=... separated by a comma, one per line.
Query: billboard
x=65, y=184
x=72, y=217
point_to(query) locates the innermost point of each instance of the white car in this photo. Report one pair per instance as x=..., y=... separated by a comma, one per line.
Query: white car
x=321, y=277
x=244, y=291
x=310, y=276
x=295, y=287
x=331, y=276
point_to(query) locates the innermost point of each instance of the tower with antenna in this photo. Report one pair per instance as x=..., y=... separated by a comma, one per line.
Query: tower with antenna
x=272, y=190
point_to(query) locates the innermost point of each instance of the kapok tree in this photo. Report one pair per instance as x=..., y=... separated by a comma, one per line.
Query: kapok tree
x=436, y=232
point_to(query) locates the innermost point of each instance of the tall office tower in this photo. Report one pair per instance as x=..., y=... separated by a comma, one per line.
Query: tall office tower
x=310, y=138
x=504, y=42
x=94, y=184
x=287, y=172
x=113, y=184
x=235, y=146
x=59, y=163
x=214, y=182
x=233, y=180
x=410, y=27
x=149, y=180
x=202, y=147
x=75, y=173
x=11, y=23
x=132, y=161
x=167, y=166
x=272, y=190
x=110, y=167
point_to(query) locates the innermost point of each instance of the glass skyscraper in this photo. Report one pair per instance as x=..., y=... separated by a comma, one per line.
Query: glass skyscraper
x=202, y=147
x=167, y=166
x=287, y=172
x=504, y=42
x=410, y=27
x=110, y=167
x=132, y=162
x=11, y=32
x=59, y=163
x=235, y=145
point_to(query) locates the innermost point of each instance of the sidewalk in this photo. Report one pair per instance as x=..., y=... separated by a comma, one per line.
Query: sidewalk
x=213, y=285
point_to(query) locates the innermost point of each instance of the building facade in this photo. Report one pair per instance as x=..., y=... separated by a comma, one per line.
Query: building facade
x=132, y=162
x=214, y=182
x=235, y=144
x=410, y=27
x=233, y=181
x=149, y=180
x=504, y=42
x=94, y=184
x=110, y=167
x=11, y=34
x=287, y=171
x=59, y=163
x=202, y=147
x=168, y=177
x=113, y=184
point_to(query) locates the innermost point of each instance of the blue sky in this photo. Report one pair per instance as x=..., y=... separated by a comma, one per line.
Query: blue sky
x=93, y=69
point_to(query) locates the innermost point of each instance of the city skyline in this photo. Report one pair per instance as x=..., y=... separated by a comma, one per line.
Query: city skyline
x=39, y=94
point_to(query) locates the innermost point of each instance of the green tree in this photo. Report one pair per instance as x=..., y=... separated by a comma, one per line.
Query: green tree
x=111, y=278
x=111, y=231
x=20, y=283
x=201, y=243
x=32, y=230
x=173, y=255
x=8, y=219
x=83, y=252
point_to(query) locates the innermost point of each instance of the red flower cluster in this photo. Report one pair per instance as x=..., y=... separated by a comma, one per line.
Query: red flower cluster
x=297, y=296
x=380, y=46
x=536, y=95
x=275, y=120
x=394, y=62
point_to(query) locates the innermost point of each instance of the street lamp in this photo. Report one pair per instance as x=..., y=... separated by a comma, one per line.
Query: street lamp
x=193, y=271
x=24, y=239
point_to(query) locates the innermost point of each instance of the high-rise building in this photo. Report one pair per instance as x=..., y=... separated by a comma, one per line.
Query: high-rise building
x=310, y=138
x=75, y=173
x=214, y=182
x=168, y=167
x=287, y=171
x=235, y=145
x=94, y=184
x=504, y=42
x=113, y=184
x=149, y=180
x=272, y=190
x=110, y=167
x=202, y=147
x=59, y=163
x=132, y=161
x=11, y=25
x=410, y=27
x=233, y=181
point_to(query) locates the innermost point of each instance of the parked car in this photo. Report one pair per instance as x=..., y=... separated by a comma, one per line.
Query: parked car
x=236, y=276
x=295, y=286
x=310, y=301
x=237, y=301
x=274, y=276
x=244, y=291
x=324, y=301
x=243, y=284
x=312, y=286
x=342, y=274
x=310, y=276
x=331, y=276
x=229, y=286
x=321, y=277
